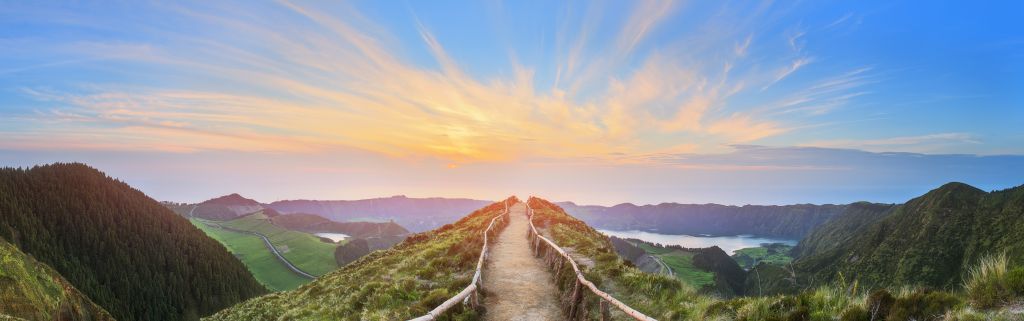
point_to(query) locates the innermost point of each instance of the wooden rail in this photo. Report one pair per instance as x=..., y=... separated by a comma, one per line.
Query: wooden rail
x=471, y=294
x=543, y=246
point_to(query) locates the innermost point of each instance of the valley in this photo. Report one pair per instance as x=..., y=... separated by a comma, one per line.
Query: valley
x=251, y=250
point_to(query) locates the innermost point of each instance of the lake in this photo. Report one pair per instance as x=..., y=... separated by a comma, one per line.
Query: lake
x=336, y=237
x=727, y=243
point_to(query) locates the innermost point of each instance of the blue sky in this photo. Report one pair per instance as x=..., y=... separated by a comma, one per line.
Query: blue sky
x=600, y=102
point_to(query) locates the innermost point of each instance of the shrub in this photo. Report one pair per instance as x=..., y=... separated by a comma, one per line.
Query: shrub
x=855, y=313
x=985, y=285
x=799, y=314
x=922, y=305
x=1015, y=281
x=718, y=309
x=879, y=303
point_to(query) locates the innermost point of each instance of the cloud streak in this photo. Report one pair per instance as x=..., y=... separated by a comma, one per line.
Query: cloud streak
x=318, y=80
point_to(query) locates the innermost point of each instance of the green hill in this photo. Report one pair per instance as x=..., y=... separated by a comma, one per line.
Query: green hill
x=125, y=251
x=315, y=223
x=931, y=240
x=394, y=284
x=33, y=291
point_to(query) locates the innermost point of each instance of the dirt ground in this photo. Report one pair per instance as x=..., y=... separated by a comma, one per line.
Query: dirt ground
x=519, y=285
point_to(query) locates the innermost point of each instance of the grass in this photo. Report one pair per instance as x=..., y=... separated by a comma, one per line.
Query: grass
x=399, y=283
x=991, y=283
x=304, y=250
x=32, y=290
x=250, y=249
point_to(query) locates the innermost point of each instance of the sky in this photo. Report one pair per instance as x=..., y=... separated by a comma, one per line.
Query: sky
x=597, y=102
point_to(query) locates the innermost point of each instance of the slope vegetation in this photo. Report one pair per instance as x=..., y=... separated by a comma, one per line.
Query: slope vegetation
x=394, y=284
x=315, y=223
x=33, y=291
x=125, y=251
x=931, y=240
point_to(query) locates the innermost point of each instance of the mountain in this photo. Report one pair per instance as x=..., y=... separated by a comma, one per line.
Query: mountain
x=32, y=290
x=399, y=283
x=125, y=251
x=415, y=214
x=839, y=230
x=316, y=224
x=227, y=207
x=931, y=240
x=788, y=221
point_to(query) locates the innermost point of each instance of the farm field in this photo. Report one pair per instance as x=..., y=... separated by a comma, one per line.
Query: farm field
x=265, y=267
x=304, y=250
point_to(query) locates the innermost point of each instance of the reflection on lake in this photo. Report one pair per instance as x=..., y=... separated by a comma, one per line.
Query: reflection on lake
x=336, y=237
x=727, y=243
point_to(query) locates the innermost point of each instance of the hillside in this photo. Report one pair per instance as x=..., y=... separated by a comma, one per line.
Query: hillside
x=842, y=228
x=226, y=207
x=789, y=221
x=126, y=252
x=666, y=298
x=415, y=214
x=931, y=240
x=394, y=284
x=315, y=224
x=33, y=291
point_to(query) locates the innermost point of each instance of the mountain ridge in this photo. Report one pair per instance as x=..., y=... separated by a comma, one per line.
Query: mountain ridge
x=776, y=221
x=109, y=240
x=930, y=240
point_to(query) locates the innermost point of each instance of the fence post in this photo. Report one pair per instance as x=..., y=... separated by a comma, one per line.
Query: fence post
x=604, y=311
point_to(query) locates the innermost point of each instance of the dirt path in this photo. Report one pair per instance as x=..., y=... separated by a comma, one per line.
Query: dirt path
x=519, y=286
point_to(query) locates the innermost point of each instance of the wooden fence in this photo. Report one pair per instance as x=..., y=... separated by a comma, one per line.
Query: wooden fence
x=554, y=256
x=471, y=294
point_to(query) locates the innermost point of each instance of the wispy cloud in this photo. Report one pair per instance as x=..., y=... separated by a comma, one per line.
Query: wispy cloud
x=313, y=80
x=930, y=143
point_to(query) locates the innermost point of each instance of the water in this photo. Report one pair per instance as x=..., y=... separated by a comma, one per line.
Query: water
x=729, y=244
x=336, y=237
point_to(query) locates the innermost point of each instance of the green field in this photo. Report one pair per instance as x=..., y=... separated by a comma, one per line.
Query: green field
x=304, y=250
x=777, y=254
x=250, y=250
x=681, y=263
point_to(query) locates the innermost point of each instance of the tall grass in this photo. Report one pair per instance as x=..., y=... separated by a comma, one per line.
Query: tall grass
x=985, y=282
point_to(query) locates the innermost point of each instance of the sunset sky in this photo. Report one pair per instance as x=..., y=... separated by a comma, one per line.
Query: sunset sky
x=734, y=102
